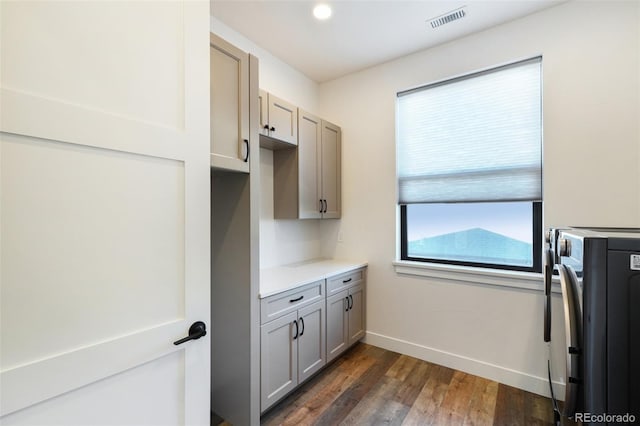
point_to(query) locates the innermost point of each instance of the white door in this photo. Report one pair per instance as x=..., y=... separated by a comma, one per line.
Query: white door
x=104, y=212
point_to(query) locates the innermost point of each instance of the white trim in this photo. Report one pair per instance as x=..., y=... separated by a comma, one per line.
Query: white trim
x=471, y=275
x=517, y=379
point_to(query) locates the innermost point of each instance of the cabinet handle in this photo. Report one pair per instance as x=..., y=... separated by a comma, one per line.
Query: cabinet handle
x=296, y=323
x=297, y=299
x=324, y=209
x=266, y=127
x=302, y=321
x=246, y=158
x=346, y=281
x=350, y=302
x=321, y=206
x=273, y=129
x=347, y=300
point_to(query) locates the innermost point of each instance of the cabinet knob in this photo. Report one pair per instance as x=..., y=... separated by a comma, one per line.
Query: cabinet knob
x=266, y=127
x=273, y=129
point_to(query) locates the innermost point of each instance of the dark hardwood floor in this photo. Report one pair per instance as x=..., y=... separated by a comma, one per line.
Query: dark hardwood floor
x=372, y=386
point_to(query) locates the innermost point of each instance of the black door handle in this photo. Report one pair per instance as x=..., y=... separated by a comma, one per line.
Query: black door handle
x=302, y=321
x=325, y=206
x=296, y=336
x=273, y=129
x=196, y=331
x=350, y=302
x=347, y=300
x=321, y=206
x=246, y=158
x=266, y=127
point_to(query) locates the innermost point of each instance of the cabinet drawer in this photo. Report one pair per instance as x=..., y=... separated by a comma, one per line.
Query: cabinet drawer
x=342, y=281
x=281, y=304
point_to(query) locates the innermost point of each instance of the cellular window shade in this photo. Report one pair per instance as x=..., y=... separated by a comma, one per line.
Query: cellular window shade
x=473, y=138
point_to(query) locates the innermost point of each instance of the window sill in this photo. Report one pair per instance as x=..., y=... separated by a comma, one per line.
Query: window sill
x=484, y=276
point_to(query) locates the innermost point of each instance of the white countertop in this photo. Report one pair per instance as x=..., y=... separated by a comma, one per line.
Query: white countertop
x=282, y=278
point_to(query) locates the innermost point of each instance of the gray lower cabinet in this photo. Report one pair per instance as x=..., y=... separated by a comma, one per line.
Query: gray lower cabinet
x=278, y=359
x=345, y=311
x=345, y=319
x=292, y=348
x=303, y=329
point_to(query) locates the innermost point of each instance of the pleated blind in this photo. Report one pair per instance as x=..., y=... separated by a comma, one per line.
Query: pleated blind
x=473, y=138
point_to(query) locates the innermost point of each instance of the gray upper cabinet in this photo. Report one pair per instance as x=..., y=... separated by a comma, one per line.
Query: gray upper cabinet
x=278, y=122
x=310, y=166
x=307, y=181
x=330, y=170
x=230, y=105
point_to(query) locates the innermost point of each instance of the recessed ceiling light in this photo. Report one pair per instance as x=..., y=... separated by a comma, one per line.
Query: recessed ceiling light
x=322, y=11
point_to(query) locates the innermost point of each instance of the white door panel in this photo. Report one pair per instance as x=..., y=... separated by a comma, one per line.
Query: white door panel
x=26, y=385
x=104, y=212
x=84, y=243
x=84, y=54
x=78, y=407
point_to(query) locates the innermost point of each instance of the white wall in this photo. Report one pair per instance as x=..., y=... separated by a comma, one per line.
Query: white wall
x=281, y=241
x=591, y=177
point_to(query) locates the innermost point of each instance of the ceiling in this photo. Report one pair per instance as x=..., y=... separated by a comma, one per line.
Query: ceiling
x=360, y=33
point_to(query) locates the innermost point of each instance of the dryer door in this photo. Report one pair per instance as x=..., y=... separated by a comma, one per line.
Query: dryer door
x=573, y=334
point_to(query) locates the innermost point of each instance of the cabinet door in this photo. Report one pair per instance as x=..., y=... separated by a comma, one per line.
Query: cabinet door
x=337, y=332
x=311, y=341
x=309, y=164
x=229, y=86
x=283, y=120
x=279, y=359
x=356, y=314
x=263, y=112
x=331, y=164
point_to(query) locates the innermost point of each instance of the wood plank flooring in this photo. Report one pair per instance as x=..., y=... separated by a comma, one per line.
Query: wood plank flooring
x=372, y=386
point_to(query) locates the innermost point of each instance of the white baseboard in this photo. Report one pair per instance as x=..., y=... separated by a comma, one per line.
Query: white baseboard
x=517, y=379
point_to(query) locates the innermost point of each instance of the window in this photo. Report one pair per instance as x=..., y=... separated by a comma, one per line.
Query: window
x=470, y=169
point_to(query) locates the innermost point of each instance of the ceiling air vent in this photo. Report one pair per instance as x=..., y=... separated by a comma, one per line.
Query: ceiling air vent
x=454, y=15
